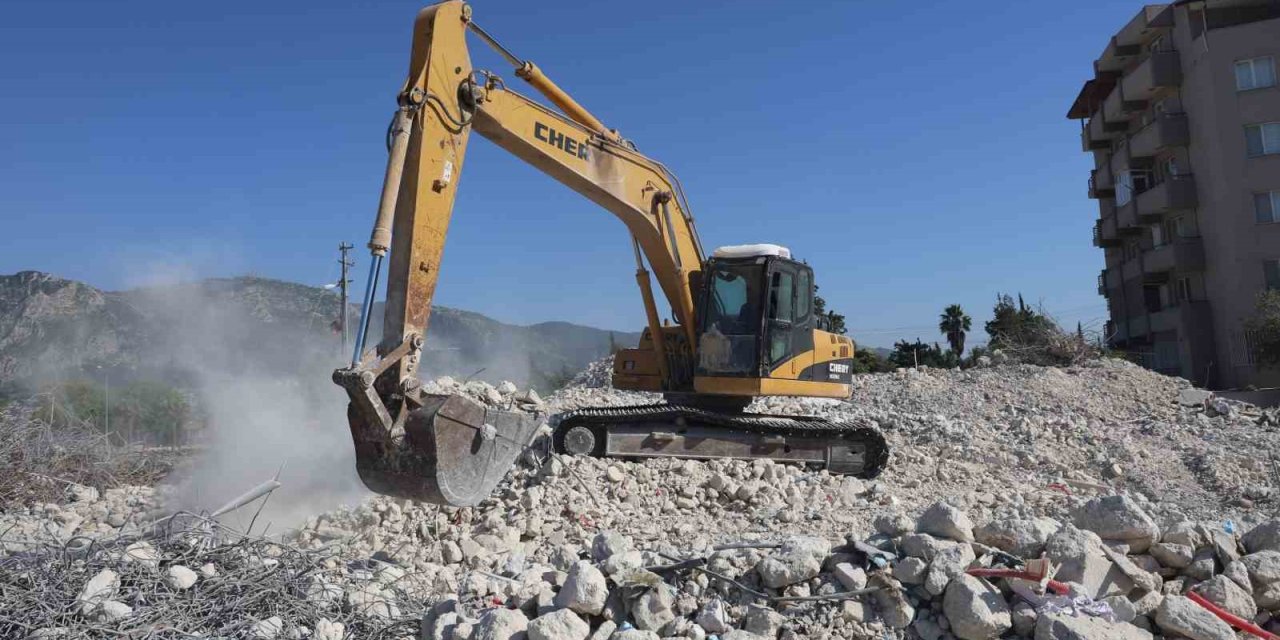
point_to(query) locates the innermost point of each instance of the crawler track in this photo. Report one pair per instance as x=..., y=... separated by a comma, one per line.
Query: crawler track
x=665, y=430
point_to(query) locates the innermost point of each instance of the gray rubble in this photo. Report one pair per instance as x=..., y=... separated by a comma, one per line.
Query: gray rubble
x=1138, y=493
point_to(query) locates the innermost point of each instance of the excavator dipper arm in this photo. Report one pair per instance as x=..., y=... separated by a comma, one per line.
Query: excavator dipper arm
x=430, y=448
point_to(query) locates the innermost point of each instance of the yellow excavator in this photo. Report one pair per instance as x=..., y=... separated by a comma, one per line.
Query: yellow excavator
x=744, y=320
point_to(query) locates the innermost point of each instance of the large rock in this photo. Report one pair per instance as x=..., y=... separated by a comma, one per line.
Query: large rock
x=1022, y=537
x=975, y=609
x=891, y=601
x=634, y=634
x=798, y=559
x=948, y=564
x=851, y=578
x=562, y=624
x=910, y=570
x=1192, y=397
x=1176, y=556
x=1264, y=567
x=655, y=608
x=113, y=611
x=922, y=545
x=179, y=578
x=713, y=618
x=1181, y=617
x=945, y=521
x=1064, y=626
x=609, y=543
x=1186, y=533
x=1264, y=574
x=741, y=634
x=501, y=624
x=100, y=588
x=1264, y=537
x=1080, y=559
x=1118, y=518
x=327, y=629
x=584, y=591
x=1225, y=593
x=763, y=621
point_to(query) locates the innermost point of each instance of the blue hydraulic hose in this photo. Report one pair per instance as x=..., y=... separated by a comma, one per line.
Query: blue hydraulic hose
x=370, y=288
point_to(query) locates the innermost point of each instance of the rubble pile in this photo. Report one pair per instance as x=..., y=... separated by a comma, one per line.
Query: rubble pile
x=1144, y=495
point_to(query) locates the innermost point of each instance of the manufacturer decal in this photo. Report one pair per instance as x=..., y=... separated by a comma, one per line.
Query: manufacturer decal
x=560, y=141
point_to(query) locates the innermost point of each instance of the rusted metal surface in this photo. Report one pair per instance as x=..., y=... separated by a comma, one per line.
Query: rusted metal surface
x=452, y=450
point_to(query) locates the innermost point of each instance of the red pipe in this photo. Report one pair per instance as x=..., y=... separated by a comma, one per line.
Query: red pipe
x=1233, y=620
x=1060, y=588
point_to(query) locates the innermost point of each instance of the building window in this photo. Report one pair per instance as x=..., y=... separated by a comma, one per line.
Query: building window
x=1262, y=139
x=1266, y=206
x=1131, y=183
x=1256, y=73
x=1271, y=273
x=1182, y=289
x=1178, y=227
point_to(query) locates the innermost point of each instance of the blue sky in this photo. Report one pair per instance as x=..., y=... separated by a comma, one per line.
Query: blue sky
x=917, y=154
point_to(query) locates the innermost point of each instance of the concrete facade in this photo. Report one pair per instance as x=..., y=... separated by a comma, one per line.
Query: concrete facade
x=1183, y=192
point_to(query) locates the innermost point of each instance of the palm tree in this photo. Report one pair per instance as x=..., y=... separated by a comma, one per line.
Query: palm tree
x=953, y=323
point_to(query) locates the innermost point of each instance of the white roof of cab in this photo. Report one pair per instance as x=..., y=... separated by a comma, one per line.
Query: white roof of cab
x=752, y=251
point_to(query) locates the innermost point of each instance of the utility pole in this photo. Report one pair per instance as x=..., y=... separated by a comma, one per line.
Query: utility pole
x=343, y=248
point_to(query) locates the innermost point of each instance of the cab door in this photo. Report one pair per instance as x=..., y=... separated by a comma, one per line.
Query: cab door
x=788, y=343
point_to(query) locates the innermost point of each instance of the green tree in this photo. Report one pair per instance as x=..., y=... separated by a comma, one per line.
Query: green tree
x=868, y=361
x=909, y=354
x=835, y=320
x=953, y=324
x=1015, y=324
x=1264, y=329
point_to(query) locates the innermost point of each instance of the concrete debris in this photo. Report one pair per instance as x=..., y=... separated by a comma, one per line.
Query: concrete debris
x=975, y=609
x=180, y=577
x=945, y=521
x=1118, y=475
x=1183, y=618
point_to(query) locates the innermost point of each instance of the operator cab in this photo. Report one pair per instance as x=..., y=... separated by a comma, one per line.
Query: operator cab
x=757, y=313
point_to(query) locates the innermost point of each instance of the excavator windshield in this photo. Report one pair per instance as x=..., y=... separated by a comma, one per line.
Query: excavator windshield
x=731, y=323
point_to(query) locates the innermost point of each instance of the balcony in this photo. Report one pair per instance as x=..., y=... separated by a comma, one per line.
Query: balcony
x=1098, y=132
x=1101, y=183
x=1105, y=233
x=1111, y=279
x=1174, y=194
x=1150, y=20
x=1186, y=254
x=1187, y=319
x=1167, y=130
x=1163, y=69
x=1118, y=109
x=1127, y=217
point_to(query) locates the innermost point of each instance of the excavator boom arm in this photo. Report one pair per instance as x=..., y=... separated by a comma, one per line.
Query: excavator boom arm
x=445, y=99
x=398, y=430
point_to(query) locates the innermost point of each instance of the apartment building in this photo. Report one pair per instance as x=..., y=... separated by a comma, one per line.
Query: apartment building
x=1182, y=116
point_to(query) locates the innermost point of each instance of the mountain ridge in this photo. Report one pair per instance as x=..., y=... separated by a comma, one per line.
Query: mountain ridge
x=54, y=327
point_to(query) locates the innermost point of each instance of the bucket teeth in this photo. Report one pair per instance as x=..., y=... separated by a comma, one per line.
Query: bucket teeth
x=454, y=452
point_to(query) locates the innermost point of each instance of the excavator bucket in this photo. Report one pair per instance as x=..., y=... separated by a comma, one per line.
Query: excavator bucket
x=453, y=451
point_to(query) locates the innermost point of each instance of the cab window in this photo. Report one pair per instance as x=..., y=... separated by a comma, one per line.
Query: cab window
x=733, y=308
x=804, y=294
x=782, y=297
